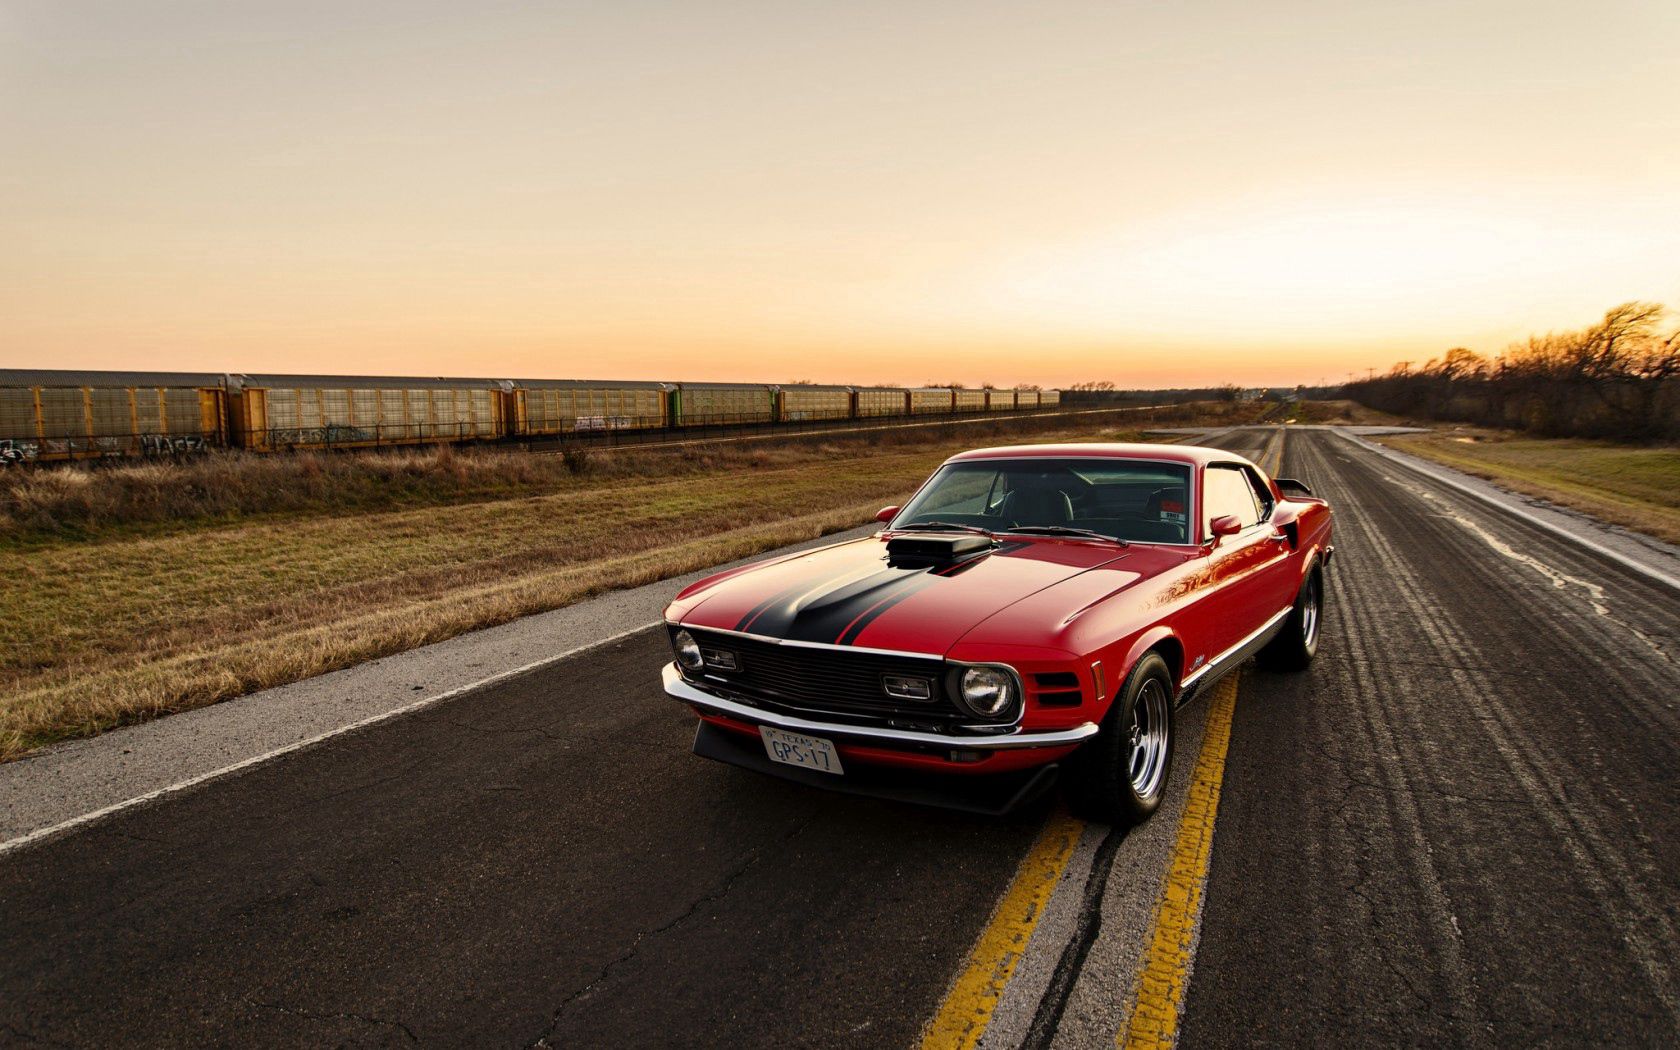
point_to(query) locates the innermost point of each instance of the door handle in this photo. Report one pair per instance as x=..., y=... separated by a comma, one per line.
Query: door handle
x=1278, y=537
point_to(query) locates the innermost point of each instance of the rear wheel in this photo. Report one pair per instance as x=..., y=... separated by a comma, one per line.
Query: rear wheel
x=1297, y=643
x=1120, y=775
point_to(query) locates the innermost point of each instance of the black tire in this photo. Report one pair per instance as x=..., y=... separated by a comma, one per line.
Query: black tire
x=1103, y=782
x=1297, y=643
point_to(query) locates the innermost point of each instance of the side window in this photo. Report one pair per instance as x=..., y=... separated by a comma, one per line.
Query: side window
x=1226, y=490
x=1262, y=493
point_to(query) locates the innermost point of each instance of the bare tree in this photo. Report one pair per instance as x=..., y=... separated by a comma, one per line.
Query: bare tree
x=1617, y=378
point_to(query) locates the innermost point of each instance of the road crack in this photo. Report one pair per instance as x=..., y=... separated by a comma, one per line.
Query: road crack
x=1053, y=1004
x=729, y=880
x=320, y=1016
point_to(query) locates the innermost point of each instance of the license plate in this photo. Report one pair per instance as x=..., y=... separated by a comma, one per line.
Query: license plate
x=806, y=752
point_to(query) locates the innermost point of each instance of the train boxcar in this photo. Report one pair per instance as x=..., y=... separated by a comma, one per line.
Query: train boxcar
x=1000, y=400
x=55, y=415
x=706, y=404
x=1025, y=398
x=279, y=412
x=542, y=407
x=801, y=401
x=875, y=401
x=970, y=400
x=930, y=400
x=1049, y=398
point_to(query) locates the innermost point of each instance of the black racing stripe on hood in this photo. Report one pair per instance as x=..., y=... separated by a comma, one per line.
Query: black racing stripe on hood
x=762, y=607
x=819, y=611
x=870, y=615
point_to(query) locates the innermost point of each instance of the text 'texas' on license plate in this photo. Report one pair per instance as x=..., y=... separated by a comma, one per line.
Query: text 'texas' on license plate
x=805, y=752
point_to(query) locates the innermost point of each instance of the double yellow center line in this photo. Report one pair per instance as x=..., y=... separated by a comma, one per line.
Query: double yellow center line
x=1158, y=1002
x=968, y=1009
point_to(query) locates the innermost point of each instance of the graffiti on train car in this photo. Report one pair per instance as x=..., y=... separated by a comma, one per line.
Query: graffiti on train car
x=585, y=424
x=17, y=452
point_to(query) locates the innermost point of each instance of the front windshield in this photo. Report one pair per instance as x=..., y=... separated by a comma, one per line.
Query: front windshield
x=1128, y=499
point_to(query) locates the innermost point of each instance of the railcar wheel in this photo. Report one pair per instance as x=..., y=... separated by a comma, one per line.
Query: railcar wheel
x=1120, y=775
x=1296, y=645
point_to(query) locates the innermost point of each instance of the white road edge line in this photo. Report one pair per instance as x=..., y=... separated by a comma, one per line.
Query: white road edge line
x=40, y=834
x=1424, y=468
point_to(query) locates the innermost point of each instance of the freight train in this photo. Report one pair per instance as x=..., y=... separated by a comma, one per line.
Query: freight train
x=61, y=415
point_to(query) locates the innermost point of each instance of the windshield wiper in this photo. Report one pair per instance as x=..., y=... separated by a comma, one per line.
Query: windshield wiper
x=1064, y=530
x=941, y=526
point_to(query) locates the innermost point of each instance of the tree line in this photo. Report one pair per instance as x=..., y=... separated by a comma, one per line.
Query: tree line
x=1619, y=378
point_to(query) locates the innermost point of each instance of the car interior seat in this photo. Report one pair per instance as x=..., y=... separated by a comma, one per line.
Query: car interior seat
x=1040, y=505
x=1154, y=527
x=1158, y=500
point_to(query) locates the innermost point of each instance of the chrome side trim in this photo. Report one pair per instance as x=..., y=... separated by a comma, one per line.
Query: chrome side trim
x=1235, y=653
x=679, y=688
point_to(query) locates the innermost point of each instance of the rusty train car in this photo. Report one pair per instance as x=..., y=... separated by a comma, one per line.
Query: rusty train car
x=270, y=412
x=723, y=404
x=48, y=414
x=805, y=401
x=870, y=402
x=547, y=407
x=62, y=415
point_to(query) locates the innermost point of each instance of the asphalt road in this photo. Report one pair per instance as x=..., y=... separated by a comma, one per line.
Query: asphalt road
x=1461, y=826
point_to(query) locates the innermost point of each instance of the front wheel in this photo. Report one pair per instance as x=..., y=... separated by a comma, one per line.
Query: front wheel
x=1296, y=645
x=1120, y=775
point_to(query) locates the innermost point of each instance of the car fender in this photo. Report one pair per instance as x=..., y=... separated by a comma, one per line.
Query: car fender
x=1316, y=546
x=1311, y=525
x=1142, y=644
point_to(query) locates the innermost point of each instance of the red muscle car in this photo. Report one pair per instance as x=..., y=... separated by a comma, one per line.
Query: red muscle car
x=1033, y=613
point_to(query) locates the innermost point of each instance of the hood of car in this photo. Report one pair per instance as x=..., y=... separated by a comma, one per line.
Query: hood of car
x=855, y=594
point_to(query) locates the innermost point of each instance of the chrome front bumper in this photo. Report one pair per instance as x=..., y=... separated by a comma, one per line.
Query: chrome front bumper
x=681, y=689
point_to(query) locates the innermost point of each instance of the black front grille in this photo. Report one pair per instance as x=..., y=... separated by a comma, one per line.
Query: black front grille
x=804, y=679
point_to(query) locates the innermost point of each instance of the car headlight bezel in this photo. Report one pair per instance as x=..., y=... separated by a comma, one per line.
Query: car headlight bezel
x=987, y=691
x=687, y=649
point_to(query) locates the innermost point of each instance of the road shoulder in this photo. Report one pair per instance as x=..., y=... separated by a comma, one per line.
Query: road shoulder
x=74, y=780
x=1648, y=556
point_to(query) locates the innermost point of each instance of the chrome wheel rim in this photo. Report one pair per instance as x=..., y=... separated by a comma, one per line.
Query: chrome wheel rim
x=1309, y=613
x=1147, y=739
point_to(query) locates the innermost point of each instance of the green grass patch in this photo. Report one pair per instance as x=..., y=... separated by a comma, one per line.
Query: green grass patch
x=1634, y=486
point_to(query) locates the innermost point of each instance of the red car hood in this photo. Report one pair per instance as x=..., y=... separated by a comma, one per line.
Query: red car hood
x=848, y=594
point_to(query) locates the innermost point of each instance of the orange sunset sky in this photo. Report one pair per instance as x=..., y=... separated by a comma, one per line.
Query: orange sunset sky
x=1154, y=194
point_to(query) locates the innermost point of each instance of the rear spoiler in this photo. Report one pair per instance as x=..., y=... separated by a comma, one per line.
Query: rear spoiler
x=1289, y=486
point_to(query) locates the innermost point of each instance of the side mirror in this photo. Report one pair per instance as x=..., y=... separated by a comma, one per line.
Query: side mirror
x=886, y=514
x=1225, y=525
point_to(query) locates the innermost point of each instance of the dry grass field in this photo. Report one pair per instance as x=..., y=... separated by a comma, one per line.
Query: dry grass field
x=132, y=592
x=1637, y=487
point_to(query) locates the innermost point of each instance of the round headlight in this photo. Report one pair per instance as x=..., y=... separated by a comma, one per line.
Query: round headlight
x=987, y=691
x=688, y=651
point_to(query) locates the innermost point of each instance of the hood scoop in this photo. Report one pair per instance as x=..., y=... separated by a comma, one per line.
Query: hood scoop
x=923, y=552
